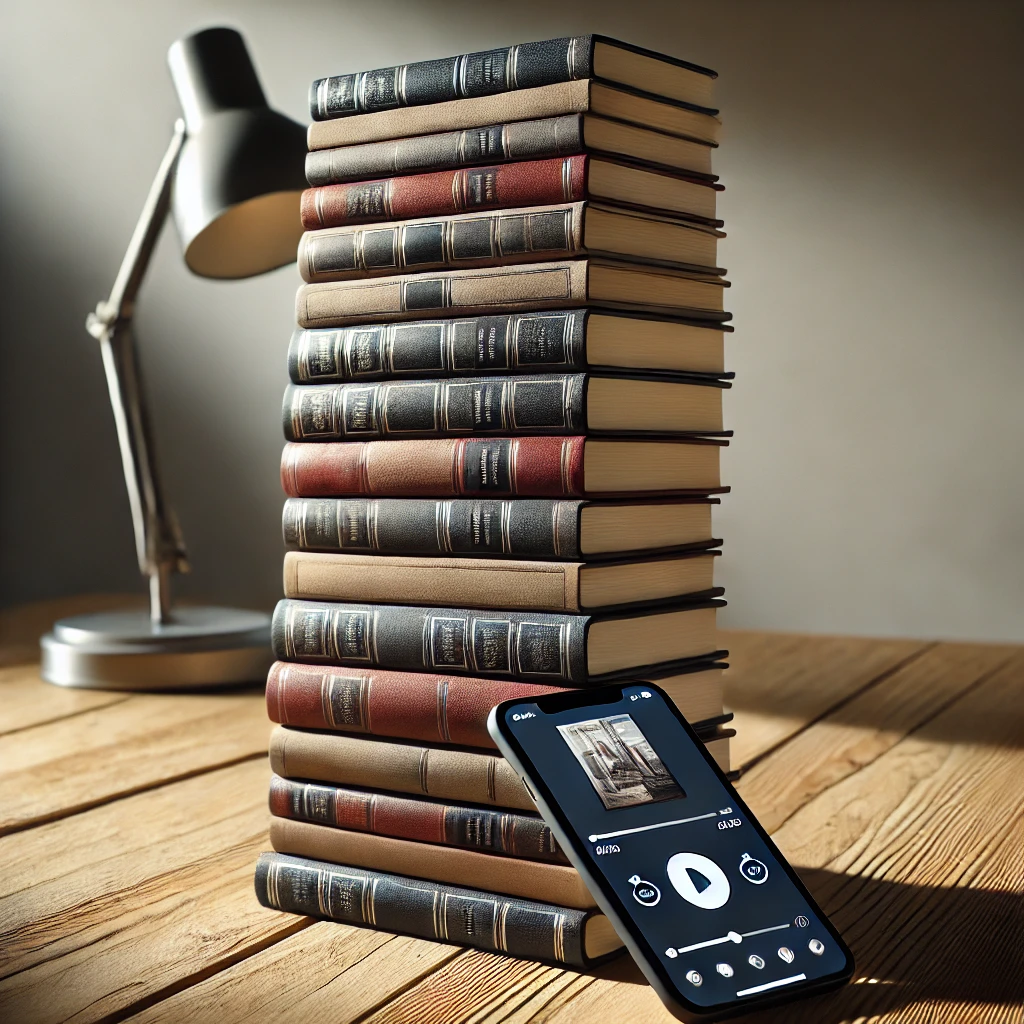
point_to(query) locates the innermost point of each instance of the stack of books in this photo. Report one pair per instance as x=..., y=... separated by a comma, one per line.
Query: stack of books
x=504, y=424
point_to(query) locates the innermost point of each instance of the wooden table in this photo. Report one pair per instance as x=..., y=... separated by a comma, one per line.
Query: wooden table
x=891, y=773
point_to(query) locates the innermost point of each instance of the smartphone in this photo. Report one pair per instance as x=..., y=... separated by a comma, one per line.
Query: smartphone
x=711, y=912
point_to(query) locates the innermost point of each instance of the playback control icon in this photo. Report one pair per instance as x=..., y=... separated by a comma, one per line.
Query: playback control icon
x=647, y=894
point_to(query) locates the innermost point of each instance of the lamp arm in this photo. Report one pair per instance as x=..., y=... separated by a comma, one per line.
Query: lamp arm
x=158, y=542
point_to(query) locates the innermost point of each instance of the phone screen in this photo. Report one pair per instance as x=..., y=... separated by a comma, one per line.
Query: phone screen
x=712, y=905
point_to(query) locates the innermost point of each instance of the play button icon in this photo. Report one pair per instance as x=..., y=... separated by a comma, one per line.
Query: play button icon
x=698, y=880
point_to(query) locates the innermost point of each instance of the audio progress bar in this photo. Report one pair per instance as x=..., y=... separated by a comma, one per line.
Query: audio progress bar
x=771, y=984
x=648, y=828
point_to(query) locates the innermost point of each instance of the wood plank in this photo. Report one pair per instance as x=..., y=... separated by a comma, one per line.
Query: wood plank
x=326, y=972
x=778, y=683
x=62, y=767
x=919, y=859
x=127, y=902
x=25, y=700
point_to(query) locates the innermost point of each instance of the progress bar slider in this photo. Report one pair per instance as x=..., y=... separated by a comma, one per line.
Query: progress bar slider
x=736, y=937
x=648, y=828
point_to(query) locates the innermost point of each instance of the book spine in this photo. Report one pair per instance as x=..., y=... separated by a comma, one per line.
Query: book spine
x=414, y=639
x=474, y=828
x=451, y=293
x=525, y=66
x=546, y=341
x=522, y=528
x=486, y=921
x=494, y=467
x=405, y=705
x=498, y=143
x=552, y=404
x=513, y=236
x=444, y=193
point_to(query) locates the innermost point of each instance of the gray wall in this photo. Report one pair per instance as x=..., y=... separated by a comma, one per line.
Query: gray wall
x=872, y=158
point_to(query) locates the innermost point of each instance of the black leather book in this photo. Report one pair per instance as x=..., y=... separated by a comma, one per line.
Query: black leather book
x=517, y=405
x=525, y=66
x=525, y=528
x=533, y=646
x=430, y=910
x=546, y=341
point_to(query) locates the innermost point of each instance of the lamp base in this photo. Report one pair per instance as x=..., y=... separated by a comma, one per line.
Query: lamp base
x=199, y=649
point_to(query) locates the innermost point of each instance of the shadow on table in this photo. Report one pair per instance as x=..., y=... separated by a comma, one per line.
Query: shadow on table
x=912, y=943
x=973, y=722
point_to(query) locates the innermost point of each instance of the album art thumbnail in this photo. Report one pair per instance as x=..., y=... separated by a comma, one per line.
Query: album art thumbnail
x=621, y=765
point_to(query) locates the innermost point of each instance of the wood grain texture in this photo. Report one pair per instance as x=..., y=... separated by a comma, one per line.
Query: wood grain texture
x=64, y=766
x=110, y=907
x=778, y=683
x=25, y=701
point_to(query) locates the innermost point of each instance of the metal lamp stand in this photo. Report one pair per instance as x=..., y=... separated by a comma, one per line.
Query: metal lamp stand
x=166, y=648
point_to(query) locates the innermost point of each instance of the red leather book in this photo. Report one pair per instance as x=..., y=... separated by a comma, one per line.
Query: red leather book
x=487, y=829
x=407, y=705
x=541, y=467
x=530, y=467
x=528, y=183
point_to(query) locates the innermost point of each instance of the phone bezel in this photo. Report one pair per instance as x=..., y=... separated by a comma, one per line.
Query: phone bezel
x=607, y=899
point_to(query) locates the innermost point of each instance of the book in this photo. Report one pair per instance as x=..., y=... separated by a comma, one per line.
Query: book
x=564, y=403
x=587, y=96
x=529, y=528
x=548, y=341
x=529, y=183
x=503, y=466
x=540, y=646
x=440, y=708
x=551, y=586
x=504, y=237
x=504, y=143
x=514, y=927
x=523, y=66
x=513, y=288
x=518, y=834
x=546, y=881
x=442, y=773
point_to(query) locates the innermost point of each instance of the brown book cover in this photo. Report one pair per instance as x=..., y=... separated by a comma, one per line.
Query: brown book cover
x=461, y=776
x=501, y=583
x=579, y=97
x=520, y=286
x=512, y=876
x=412, y=906
x=415, y=818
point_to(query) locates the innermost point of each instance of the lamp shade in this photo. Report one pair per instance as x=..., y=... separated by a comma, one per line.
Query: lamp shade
x=236, y=187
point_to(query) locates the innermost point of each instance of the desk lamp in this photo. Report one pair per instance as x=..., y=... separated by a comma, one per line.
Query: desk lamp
x=231, y=177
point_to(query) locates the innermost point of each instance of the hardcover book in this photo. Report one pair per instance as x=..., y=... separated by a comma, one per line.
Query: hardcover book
x=436, y=708
x=523, y=66
x=504, y=143
x=521, y=404
x=551, y=586
x=515, y=927
x=588, y=96
x=550, y=341
x=531, y=646
x=443, y=773
x=427, y=821
x=511, y=289
x=528, y=528
x=507, y=237
x=546, y=881
x=503, y=466
x=530, y=183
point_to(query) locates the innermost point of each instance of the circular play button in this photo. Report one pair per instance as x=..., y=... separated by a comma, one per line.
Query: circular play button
x=698, y=880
